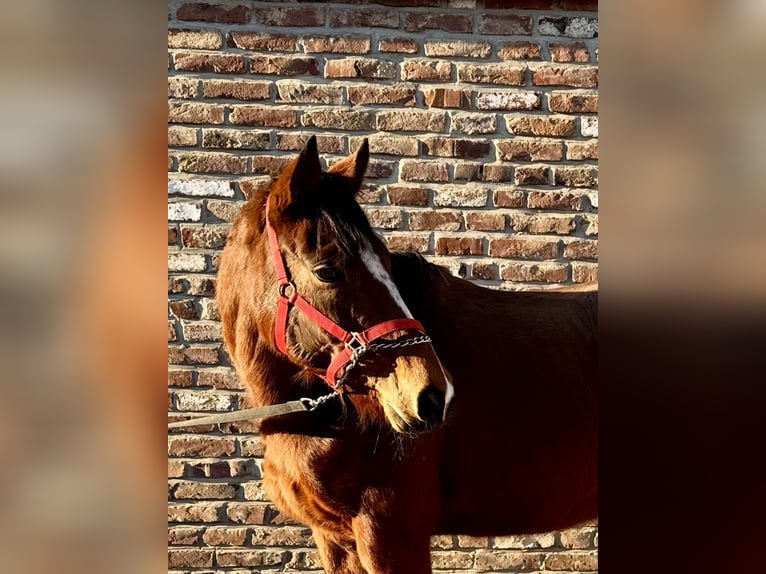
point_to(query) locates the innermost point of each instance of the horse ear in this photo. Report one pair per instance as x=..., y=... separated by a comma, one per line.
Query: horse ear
x=307, y=171
x=354, y=165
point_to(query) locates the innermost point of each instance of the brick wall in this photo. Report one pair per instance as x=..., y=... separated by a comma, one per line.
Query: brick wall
x=483, y=131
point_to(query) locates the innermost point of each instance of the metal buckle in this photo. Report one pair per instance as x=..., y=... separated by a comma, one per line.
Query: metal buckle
x=282, y=290
x=356, y=344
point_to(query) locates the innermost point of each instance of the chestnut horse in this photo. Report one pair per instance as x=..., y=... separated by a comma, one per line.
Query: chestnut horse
x=488, y=428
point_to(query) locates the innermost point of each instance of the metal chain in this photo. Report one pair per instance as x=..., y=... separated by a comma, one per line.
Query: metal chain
x=314, y=404
x=401, y=343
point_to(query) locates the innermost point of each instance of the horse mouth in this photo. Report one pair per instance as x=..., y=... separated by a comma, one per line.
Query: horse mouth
x=402, y=423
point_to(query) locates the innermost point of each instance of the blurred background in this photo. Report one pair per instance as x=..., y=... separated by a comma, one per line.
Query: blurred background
x=83, y=331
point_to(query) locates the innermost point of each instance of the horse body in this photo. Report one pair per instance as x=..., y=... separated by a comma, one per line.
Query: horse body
x=516, y=452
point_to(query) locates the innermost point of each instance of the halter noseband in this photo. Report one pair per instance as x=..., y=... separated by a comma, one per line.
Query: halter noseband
x=355, y=344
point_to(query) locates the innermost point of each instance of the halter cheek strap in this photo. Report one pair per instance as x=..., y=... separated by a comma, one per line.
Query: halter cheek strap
x=355, y=344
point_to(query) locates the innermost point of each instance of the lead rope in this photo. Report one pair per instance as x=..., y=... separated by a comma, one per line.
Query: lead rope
x=304, y=404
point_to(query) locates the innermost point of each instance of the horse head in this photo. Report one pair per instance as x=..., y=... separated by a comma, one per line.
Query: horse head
x=334, y=262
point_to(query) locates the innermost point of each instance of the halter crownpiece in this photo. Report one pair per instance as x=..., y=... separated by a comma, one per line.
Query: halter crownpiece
x=355, y=343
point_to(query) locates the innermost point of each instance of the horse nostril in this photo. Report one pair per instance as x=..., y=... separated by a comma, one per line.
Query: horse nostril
x=431, y=406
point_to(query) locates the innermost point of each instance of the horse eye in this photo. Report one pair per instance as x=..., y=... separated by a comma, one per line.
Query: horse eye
x=328, y=274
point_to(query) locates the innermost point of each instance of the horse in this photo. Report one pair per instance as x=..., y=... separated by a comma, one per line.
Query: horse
x=470, y=411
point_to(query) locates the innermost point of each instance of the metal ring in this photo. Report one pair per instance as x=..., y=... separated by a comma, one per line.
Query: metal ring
x=282, y=290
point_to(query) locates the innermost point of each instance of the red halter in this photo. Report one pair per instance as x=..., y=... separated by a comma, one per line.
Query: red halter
x=356, y=344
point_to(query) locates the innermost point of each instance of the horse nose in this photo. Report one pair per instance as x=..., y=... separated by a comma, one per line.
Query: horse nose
x=431, y=406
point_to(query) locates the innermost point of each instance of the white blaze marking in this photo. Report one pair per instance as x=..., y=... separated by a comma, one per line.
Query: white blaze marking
x=376, y=269
x=447, y=397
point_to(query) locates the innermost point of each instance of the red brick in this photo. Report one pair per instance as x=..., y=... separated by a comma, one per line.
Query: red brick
x=572, y=561
x=182, y=137
x=500, y=74
x=450, y=147
x=364, y=18
x=483, y=221
x=337, y=44
x=447, y=98
x=578, y=151
x=412, y=170
x=180, y=378
x=210, y=63
x=259, y=42
x=384, y=218
x=263, y=116
x=189, y=558
x=235, y=139
x=410, y=121
x=250, y=558
x=519, y=51
x=576, y=176
x=474, y=123
x=416, y=196
x=359, y=68
x=518, y=248
x=182, y=87
x=284, y=536
x=550, y=126
x=217, y=13
x=398, y=45
x=184, y=309
x=236, y=89
x=200, y=446
x=338, y=119
x=506, y=24
x=572, y=76
x=389, y=145
x=225, y=536
x=459, y=246
x=184, y=536
x=197, y=512
x=581, y=249
x=407, y=242
x=195, y=39
x=508, y=198
x=568, y=53
x=496, y=173
x=270, y=165
x=563, y=201
x=226, y=380
x=426, y=70
x=435, y=220
x=301, y=92
x=573, y=103
x=325, y=143
x=544, y=224
x=532, y=175
x=584, y=272
x=203, y=491
x=457, y=49
x=282, y=16
x=211, y=162
x=205, y=236
x=401, y=94
x=486, y=272
x=417, y=22
x=188, y=113
x=529, y=150
x=533, y=272
x=247, y=513
x=284, y=65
